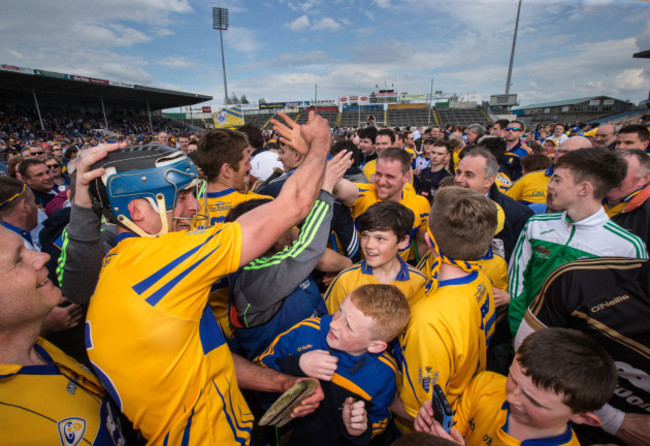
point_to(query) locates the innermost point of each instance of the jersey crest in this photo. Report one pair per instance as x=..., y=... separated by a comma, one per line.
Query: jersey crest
x=71, y=431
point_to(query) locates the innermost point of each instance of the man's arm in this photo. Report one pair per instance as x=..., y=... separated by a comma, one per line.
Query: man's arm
x=262, y=226
x=264, y=379
x=83, y=250
x=346, y=191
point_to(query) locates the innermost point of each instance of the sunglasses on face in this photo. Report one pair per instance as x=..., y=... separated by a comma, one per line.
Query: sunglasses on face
x=52, y=166
x=513, y=129
x=36, y=153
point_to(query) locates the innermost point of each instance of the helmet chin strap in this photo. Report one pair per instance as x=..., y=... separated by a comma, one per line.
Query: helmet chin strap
x=162, y=212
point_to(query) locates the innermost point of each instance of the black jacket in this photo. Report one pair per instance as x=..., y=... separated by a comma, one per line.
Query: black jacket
x=516, y=216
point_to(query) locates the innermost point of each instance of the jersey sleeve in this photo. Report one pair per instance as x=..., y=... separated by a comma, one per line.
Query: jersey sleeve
x=81, y=257
x=265, y=282
x=289, y=343
x=336, y=292
x=343, y=227
x=518, y=264
x=379, y=413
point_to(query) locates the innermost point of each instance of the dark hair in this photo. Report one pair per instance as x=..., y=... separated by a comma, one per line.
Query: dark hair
x=26, y=164
x=642, y=131
x=396, y=154
x=535, y=162
x=502, y=123
x=493, y=144
x=387, y=132
x=569, y=362
x=244, y=207
x=599, y=166
x=255, y=138
x=70, y=152
x=218, y=147
x=441, y=142
x=369, y=133
x=388, y=215
x=348, y=145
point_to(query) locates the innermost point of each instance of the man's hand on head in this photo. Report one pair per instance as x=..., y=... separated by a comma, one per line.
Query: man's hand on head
x=85, y=174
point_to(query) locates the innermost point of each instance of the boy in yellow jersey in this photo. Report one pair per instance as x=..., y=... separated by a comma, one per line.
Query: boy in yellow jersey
x=384, y=228
x=453, y=314
x=347, y=352
x=559, y=376
x=150, y=334
x=389, y=183
x=224, y=159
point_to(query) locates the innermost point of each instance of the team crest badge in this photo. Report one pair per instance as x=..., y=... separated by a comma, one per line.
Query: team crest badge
x=71, y=431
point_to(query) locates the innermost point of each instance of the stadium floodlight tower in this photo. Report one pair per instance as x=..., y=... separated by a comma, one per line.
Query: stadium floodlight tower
x=220, y=22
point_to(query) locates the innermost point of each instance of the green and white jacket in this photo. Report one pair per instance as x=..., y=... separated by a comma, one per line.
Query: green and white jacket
x=550, y=240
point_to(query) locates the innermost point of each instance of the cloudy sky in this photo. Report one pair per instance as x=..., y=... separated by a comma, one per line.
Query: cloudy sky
x=279, y=49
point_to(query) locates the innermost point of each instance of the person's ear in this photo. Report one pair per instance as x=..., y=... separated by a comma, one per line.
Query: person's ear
x=404, y=243
x=427, y=238
x=225, y=170
x=586, y=418
x=586, y=188
x=135, y=209
x=377, y=346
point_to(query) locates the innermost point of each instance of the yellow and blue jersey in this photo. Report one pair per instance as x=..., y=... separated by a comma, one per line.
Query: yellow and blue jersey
x=409, y=280
x=43, y=404
x=446, y=340
x=370, y=377
x=481, y=415
x=155, y=343
x=220, y=203
x=416, y=203
x=531, y=188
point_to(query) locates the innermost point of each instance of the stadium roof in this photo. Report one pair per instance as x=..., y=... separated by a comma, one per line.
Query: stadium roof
x=643, y=54
x=18, y=82
x=558, y=103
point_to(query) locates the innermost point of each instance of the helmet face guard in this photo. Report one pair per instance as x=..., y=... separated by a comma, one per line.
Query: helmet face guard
x=157, y=173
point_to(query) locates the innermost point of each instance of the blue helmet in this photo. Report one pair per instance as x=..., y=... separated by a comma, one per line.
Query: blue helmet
x=151, y=171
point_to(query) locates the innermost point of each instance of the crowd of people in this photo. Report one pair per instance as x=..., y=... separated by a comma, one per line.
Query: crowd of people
x=166, y=287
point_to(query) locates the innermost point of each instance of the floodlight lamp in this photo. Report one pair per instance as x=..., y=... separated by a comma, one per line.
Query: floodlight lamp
x=220, y=18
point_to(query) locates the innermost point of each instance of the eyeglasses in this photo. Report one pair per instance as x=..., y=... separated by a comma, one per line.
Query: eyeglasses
x=52, y=166
x=513, y=129
x=79, y=380
x=12, y=198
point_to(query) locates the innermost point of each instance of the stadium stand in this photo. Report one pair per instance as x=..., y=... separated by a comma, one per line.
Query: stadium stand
x=462, y=117
x=409, y=115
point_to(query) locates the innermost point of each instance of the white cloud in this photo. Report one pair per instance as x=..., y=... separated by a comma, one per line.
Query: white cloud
x=243, y=39
x=174, y=62
x=326, y=24
x=382, y=3
x=632, y=79
x=300, y=24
